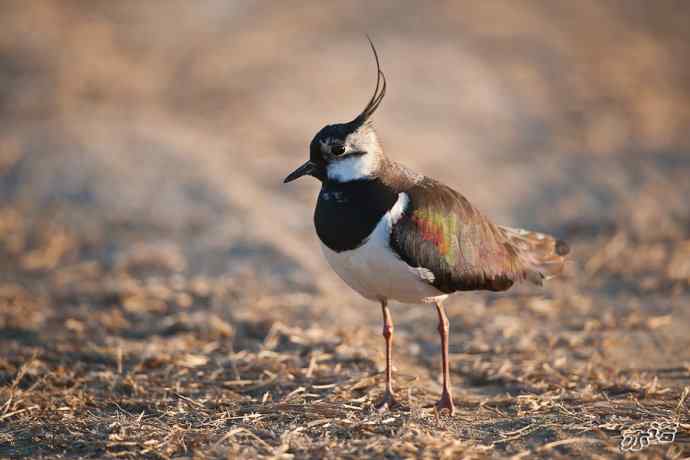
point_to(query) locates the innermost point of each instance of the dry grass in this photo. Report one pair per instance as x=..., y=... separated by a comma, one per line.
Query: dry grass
x=161, y=296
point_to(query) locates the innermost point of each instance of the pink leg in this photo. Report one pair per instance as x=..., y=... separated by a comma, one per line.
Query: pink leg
x=446, y=401
x=388, y=401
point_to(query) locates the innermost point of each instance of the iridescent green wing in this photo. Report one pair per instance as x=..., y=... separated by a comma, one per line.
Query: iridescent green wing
x=442, y=232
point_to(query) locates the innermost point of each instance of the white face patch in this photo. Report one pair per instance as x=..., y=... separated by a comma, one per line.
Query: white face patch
x=359, y=165
x=352, y=167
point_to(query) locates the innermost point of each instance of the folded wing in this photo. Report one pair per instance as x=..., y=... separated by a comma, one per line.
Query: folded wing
x=443, y=233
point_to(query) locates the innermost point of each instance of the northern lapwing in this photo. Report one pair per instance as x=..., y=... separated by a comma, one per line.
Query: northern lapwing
x=393, y=234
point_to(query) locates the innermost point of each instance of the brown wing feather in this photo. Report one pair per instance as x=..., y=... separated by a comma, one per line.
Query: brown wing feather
x=442, y=232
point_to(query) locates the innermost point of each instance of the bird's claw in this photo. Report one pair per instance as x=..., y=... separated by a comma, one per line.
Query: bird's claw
x=388, y=402
x=446, y=402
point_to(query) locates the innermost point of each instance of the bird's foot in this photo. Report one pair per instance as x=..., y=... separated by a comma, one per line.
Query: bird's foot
x=388, y=402
x=445, y=403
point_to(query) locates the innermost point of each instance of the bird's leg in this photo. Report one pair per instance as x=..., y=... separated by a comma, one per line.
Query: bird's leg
x=388, y=401
x=446, y=401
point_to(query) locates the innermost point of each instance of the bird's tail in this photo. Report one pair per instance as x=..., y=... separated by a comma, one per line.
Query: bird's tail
x=543, y=256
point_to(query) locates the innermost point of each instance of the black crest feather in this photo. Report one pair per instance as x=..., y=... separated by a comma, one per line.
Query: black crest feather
x=379, y=91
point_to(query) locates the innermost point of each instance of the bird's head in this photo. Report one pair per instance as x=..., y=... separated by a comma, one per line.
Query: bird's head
x=347, y=151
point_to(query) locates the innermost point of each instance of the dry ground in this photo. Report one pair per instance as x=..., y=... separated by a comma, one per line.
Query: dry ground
x=162, y=294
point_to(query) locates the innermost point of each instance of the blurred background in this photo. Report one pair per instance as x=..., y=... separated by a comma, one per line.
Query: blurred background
x=143, y=147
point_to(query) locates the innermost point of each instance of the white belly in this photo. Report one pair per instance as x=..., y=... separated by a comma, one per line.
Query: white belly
x=377, y=273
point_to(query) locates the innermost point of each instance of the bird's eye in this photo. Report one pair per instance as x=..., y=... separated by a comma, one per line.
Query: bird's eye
x=337, y=149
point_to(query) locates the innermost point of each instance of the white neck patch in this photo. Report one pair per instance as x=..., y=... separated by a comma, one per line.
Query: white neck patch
x=353, y=167
x=399, y=207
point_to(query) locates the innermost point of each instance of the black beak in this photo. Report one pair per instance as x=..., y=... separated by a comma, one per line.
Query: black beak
x=306, y=168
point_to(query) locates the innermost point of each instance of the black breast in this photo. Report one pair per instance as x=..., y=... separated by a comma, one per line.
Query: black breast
x=347, y=213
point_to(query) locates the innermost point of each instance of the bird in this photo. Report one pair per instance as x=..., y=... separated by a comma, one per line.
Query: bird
x=393, y=234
